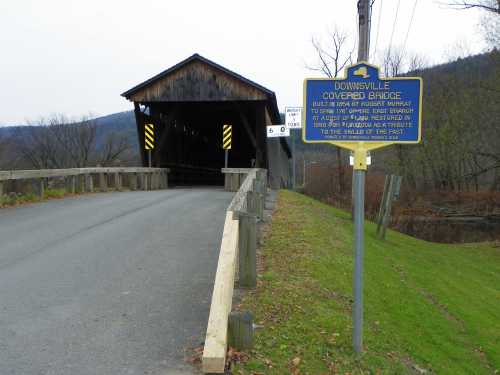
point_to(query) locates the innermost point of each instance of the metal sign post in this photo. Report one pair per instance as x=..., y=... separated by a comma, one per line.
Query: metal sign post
x=149, y=140
x=227, y=135
x=362, y=112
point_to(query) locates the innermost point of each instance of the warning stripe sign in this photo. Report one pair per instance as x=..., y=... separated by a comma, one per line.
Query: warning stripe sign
x=149, y=137
x=226, y=137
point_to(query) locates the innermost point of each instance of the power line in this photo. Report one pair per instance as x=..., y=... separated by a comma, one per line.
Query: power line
x=394, y=27
x=409, y=27
x=378, y=27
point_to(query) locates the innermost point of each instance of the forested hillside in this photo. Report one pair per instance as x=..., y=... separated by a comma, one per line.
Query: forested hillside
x=56, y=142
x=459, y=150
x=461, y=134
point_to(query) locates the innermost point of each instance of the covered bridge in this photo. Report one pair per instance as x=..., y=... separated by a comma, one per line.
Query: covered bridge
x=189, y=103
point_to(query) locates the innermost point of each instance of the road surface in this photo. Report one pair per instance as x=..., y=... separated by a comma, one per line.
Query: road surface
x=112, y=283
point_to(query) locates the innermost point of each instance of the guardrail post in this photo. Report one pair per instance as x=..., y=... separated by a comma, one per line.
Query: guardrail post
x=235, y=181
x=240, y=330
x=38, y=187
x=155, y=181
x=89, y=183
x=103, y=182
x=80, y=183
x=247, y=244
x=227, y=181
x=251, y=203
x=70, y=184
x=164, y=181
x=116, y=181
x=132, y=181
x=142, y=181
x=259, y=199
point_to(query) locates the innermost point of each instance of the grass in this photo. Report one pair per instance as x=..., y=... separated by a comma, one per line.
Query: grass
x=428, y=307
x=18, y=199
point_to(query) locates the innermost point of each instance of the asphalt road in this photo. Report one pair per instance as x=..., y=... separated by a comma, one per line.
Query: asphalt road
x=113, y=283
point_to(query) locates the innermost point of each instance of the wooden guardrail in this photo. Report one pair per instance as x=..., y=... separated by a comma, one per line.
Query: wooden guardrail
x=237, y=251
x=234, y=177
x=86, y=179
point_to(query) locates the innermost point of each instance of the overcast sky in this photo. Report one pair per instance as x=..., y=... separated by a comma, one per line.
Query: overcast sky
x=78, y=56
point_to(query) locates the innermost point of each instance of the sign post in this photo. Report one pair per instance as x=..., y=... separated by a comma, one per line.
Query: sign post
x=293, y=120
x=149, y=140
x=362, y=112
x=227, y=135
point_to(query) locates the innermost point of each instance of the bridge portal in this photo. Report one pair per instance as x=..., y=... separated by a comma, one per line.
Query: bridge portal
x=189, y=103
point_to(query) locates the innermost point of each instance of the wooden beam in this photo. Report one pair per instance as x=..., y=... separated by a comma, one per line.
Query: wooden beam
x=214, y=353
x=140, y=131
x=248, y=129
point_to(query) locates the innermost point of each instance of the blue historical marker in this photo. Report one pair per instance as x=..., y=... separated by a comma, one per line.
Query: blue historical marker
x=362, y=108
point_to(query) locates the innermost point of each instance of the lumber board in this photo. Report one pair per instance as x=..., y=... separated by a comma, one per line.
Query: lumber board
x=214, y=353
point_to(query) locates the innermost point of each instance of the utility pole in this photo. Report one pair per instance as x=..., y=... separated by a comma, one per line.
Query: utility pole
x=359, y=175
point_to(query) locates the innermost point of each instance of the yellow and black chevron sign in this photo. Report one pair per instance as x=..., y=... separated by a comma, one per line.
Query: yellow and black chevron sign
x=227, y=133
x=149, y=136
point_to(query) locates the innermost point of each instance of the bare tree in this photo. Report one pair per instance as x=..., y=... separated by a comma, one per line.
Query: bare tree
x=58, y=142
x=115, y=146
x=333, y=57
x=490, y=28
x=488, y=5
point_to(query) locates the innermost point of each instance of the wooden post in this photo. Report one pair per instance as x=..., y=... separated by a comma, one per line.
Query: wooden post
x=259, y=199
x=156, y=181
x=387, y=208
x=89, y=183
x=103, y=182
x=38, y=187
x=80, y=183
x=1, y=189
x=382, y=203
x=252, y=203
x=165, y=179
x=235, y=181
x=72, y=184
x=247, y=245
x=117, y=183
x=240, y=330
x=132, y=181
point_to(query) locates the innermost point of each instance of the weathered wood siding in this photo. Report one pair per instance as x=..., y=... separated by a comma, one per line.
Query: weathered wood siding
x=196, y=82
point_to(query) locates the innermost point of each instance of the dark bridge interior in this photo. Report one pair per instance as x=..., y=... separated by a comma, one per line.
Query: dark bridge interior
x=189, y=104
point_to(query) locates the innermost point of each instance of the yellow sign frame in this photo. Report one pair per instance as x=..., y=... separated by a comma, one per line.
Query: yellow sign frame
x=361, y=148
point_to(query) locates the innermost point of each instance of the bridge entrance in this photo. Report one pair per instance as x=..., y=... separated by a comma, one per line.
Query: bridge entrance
x=189, y=103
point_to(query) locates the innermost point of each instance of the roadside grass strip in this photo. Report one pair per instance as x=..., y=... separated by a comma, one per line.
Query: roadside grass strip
x=429, y=308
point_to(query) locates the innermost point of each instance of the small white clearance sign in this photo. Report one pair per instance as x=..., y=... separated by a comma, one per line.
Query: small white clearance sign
x=278, y=131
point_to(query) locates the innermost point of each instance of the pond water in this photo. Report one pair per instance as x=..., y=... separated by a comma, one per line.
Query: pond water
x=452, y=230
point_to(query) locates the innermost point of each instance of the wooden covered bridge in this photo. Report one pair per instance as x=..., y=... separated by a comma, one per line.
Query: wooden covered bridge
x=189, y=103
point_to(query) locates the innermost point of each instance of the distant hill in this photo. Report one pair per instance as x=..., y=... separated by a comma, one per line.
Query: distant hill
x=121, y=122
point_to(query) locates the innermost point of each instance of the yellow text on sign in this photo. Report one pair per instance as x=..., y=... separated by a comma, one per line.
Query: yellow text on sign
x=149, y=137
x=226, y=137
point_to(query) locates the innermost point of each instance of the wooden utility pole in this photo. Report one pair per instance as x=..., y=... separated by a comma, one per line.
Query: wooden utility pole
x=359, y=175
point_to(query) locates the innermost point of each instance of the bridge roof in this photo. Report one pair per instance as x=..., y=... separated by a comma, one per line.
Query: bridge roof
x=198, y=79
